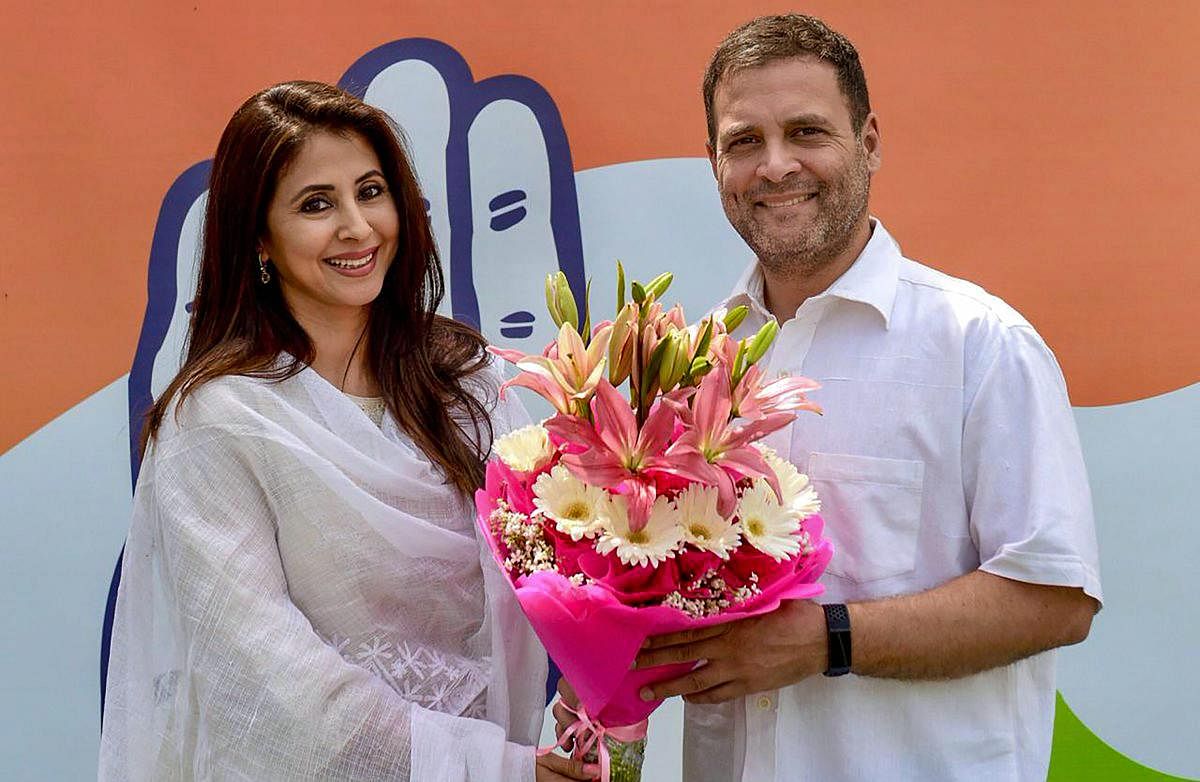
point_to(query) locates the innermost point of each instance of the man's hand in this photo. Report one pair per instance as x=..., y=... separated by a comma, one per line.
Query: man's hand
x=760, y=653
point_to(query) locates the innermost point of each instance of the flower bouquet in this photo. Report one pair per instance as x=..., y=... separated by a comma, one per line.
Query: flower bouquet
x=647, y=504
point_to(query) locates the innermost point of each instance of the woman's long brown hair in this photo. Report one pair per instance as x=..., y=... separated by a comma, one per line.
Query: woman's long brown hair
x=240, y=326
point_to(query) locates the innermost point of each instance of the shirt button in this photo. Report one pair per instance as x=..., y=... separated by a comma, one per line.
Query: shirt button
x=764, y=702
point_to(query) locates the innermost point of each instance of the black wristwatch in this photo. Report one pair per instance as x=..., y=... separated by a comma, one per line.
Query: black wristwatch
x=837, y=624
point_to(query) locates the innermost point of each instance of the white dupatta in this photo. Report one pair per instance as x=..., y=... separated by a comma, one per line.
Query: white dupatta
x=305, y=598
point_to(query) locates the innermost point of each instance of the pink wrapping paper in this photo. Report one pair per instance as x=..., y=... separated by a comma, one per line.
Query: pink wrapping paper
x=593, y=637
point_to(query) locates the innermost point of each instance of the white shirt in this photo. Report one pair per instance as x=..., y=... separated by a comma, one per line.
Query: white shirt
x=947, y=445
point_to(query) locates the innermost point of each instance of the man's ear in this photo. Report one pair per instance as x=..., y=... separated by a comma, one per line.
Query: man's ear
x=712, y=158
x=872, y=143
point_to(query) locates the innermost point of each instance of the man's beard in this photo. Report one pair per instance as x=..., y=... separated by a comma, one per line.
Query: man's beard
x=840, y=207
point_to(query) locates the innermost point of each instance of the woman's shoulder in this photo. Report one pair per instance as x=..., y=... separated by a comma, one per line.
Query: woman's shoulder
x=234, y=403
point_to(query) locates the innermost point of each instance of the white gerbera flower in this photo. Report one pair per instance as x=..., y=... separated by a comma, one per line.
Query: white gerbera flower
x=798, y=494
x=525, y=449
x=767, y=525
x=652, y=544
x=703, y=526
x=574, y=506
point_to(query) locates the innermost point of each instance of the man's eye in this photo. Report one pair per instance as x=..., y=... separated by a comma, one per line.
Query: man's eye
x=743, y=141
x=313, y=205
x=808, y=131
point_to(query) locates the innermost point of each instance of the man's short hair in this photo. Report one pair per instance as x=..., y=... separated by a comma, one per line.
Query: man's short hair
x=769, y=38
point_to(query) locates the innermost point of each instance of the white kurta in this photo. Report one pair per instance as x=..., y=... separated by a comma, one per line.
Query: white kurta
x=947, y=445
x=304, y=598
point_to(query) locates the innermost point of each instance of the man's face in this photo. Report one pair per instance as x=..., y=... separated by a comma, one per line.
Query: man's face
x=792, y=174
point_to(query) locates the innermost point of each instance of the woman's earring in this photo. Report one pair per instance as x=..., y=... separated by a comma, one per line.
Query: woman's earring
x=263, y=274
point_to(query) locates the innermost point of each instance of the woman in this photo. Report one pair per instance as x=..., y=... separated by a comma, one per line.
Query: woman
x=303, y=595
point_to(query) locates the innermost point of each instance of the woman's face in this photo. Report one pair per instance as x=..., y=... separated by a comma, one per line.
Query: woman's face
x=332, y=230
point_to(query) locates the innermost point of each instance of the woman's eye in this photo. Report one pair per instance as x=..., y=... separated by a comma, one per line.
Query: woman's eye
x=370, y=191
x=314, y=205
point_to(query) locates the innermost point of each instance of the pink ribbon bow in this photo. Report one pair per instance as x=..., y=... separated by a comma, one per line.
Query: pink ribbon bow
x=589, y=734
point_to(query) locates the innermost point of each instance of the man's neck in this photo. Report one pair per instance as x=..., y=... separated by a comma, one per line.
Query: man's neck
x=784, y=292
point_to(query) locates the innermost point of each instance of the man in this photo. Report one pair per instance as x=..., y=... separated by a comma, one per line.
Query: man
x=947, y=459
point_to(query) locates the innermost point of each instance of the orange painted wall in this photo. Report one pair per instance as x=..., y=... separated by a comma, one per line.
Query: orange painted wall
x=1044, y=150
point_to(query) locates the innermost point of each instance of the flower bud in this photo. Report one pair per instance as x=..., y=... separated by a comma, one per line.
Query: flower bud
x=638, y=292
x=552, y=302
x=700, y=367
x=565, y=300
x=620, y=346
x=675, y=317
x=658, y=286
x=675, y=360
x=761, y=341
x=657, y=356
x=735, y=316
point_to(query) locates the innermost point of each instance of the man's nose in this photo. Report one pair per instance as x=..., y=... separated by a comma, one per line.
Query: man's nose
x=354, y=223
x=778, y=161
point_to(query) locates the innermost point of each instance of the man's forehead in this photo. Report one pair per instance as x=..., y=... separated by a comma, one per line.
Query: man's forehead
x=799, y=85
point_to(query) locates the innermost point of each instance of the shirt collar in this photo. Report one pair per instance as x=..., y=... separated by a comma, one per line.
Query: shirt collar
x=872, y=279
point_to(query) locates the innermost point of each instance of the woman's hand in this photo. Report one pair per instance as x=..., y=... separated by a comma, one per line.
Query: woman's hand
x=563, y=719
x=556, y=768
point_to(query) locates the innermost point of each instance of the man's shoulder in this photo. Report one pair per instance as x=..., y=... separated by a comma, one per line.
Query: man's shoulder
x=935, y=300
x=962, y=314
x=968, y=300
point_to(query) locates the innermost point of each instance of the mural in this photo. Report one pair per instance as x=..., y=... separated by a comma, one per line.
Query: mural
x=508, y=204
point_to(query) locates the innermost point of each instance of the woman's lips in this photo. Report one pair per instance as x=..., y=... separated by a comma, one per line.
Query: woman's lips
x=356, y=264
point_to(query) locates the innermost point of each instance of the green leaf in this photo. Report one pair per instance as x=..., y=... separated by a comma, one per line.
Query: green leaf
x=620, y=286
x=705, y=338
x=587, y=313
x=738, y=362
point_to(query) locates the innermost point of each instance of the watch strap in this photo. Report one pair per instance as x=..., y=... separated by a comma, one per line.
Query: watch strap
x=837, y=627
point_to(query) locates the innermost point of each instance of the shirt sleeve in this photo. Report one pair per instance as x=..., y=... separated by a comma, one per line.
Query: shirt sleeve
x=271, y=698
x=1023, y=471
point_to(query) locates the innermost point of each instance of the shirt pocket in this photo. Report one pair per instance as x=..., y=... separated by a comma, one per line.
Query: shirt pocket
x=872, y=512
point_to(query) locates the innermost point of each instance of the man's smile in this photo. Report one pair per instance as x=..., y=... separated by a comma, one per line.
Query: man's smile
x=778, y=202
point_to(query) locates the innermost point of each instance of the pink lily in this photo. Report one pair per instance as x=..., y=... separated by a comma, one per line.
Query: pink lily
x=754, y=399
x=717, y=450
x=568, y=372
x=619, y=456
